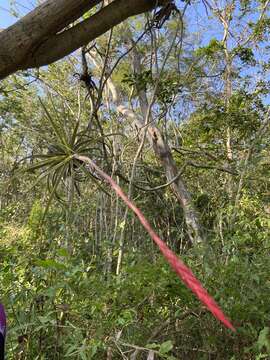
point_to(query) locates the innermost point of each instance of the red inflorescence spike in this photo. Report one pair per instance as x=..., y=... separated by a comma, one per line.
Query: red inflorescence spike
x=178, y=266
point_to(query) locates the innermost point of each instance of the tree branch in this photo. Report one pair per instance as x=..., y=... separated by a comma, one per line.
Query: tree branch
x=35, y=40
x=20, y=40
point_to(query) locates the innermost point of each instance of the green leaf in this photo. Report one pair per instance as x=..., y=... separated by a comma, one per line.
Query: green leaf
x=60, y=137
x=264, y=339
x=166, y=347
x=63, y=252
x=50, y=264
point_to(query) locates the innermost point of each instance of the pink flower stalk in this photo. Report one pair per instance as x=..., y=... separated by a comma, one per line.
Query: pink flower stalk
x=183, y=272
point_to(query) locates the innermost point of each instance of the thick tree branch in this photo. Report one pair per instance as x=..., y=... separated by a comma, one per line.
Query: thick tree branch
x=60, y=45
x=35, y=40
x=20, y=40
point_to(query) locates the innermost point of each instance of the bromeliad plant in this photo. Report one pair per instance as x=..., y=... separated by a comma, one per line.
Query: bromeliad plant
x=68, y=158
x=59, y=165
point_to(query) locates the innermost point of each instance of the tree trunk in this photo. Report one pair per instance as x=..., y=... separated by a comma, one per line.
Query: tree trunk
x=163, y=153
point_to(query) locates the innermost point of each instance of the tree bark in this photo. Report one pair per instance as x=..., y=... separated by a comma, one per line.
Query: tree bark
x=40, y=38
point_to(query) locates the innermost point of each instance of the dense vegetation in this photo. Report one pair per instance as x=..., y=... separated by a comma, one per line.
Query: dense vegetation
x=79, y=276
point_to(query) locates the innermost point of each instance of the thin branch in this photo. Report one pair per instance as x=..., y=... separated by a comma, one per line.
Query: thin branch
x=203, y=166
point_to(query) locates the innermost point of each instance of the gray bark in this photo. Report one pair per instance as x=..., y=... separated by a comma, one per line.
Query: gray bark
x=41, y=37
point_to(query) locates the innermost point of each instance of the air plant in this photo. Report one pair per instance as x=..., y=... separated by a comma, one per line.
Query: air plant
x=58, y=165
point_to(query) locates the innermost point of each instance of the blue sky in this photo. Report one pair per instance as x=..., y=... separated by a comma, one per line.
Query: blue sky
x=6, y=19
